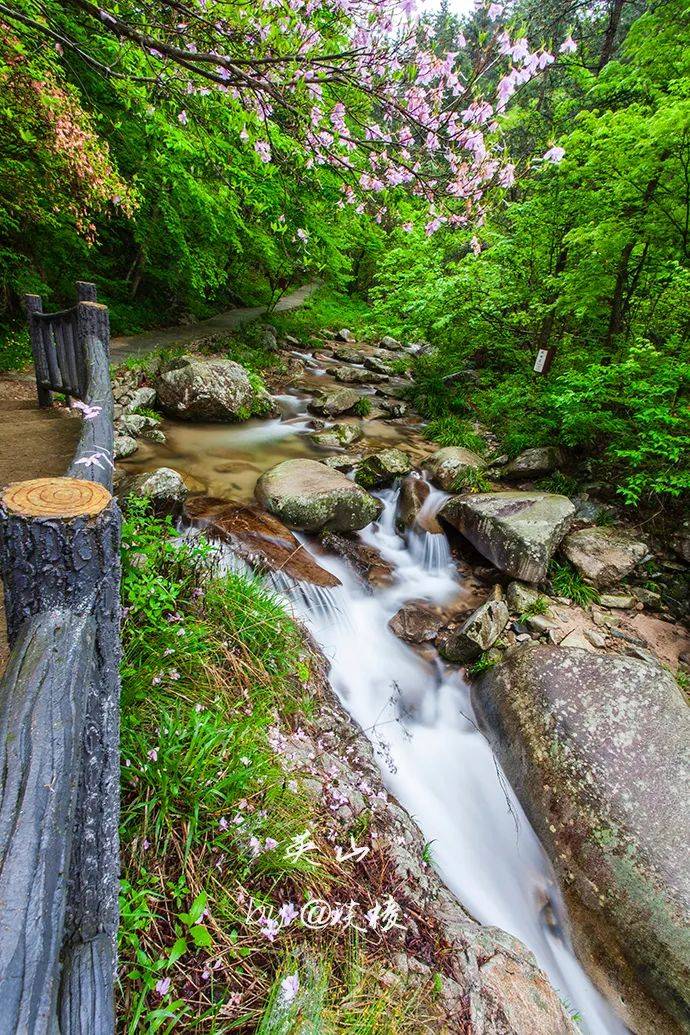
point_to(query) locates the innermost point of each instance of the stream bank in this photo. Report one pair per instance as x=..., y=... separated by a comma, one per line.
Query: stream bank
x=415, y=709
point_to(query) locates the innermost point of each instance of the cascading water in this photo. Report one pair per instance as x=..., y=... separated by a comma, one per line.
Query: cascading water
x=415, y=710
x=418, y=715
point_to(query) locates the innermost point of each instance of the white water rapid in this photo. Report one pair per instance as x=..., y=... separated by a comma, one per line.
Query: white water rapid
x=418, y=715
x=415, y=710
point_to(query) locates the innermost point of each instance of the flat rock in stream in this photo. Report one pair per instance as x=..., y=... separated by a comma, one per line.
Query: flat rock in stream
x=416, y=622
x=258, y=538
x=366, y=561
x=332, y=404
x=338, y=435
x=596, y=748
x=309, y=496
x=380, y=469
x=356, y=375
x=516, y=531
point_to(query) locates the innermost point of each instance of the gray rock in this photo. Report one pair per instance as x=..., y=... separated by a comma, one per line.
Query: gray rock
x=209, y=390
x=595, y=638
x=604, y=556
x=347, y=354
x=124, y=446
x=617, y=600
x=521, y=597
x=163, y=486
x=532, y=463
x=335, y=403
x=338, y=435
x=446, y=465
x=379, y=469
x=596, y=748
x=356, y=375
x=516, y=531
x=135, y=424
x=153, y=435
x=342, y=461
x=395, y=407
x=479, y=632
x=345, y=335
x=578, y=639
x=379, y=366
x=415, y=622
x=387, y=342
x=681, y=541
x=143, y=398
x=308, y=496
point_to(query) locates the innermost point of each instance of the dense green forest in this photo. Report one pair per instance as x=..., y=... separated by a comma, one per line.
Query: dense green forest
x=166, y=201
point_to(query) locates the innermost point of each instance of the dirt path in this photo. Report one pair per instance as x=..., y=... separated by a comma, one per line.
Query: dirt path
x=139, y=344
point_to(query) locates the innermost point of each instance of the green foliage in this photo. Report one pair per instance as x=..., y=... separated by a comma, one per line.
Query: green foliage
x=326, y=309
x=362, y=407
x=15, y=350
x=567, y=582
x=484, y=662
x=540, y=606
x=453, y=431
x=472, y=479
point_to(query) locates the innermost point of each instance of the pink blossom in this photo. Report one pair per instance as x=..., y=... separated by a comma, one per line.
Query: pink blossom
x=163, y=986
x=182, y=118
x=568, y=46
x=287, y=913
x=152, y=754
x=289, y=988
x=495, y=11
x=263, y=150
x=554, y=154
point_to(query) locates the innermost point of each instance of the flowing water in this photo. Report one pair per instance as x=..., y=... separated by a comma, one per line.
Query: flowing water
x=415, y=710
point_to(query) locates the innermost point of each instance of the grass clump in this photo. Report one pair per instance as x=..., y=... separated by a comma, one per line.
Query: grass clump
x=325, y=310
x=210, y=897
x=540, y=606
x=484, y=662
x=569, y=583
x=453, y=431
x=362, y=408
x=471, y=479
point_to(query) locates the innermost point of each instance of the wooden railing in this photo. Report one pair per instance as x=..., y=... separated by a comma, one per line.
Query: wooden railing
x=59, y=705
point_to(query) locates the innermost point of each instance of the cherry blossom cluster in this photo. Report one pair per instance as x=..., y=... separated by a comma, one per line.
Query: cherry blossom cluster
x=359, y=86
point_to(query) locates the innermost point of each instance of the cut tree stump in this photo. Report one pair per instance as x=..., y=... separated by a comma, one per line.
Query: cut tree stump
x=59, y=558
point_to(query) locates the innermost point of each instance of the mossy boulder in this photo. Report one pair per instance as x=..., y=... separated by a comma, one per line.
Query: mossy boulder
x=332, y=404
x=446, y=466
x=516, y=531
x=604, y=556
x=338, y=435
x=379, y=469
x=196, y=389
x=596, y=748
x=308, y=496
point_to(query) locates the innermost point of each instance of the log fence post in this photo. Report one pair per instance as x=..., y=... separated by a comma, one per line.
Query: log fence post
x=59, y=755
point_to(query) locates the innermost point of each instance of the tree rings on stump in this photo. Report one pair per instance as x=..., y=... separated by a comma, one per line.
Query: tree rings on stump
x=55, y=498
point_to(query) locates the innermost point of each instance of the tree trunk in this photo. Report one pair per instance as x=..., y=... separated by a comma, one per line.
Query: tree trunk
x=610, y=34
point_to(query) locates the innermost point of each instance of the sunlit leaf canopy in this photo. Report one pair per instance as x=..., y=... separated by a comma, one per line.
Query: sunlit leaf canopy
x=359, y=86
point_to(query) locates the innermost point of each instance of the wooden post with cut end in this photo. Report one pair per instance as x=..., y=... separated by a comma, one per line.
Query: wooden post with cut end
x=59, y=558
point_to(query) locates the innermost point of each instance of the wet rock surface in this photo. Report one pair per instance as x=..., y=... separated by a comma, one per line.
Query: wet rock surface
x=332, y=404
x=265, y=543
x=162, y=486
x=380, y=469
x=517, y=531
x=309, y=496
x=416, y=622
x=596, y=747
x=365, y=560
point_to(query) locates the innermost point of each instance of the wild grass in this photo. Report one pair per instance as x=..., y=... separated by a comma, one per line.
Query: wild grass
x=208, y=809
x=569, y=583
x=325, y=310
x=453, y=431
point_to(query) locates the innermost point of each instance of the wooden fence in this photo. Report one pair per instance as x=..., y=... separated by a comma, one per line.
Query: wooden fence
x=59, y=705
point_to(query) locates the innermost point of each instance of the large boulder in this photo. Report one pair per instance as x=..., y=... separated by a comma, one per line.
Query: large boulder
x=533, y=463
x=258, y=538
x=596, y=748
x=449, y=464
x=332, y=404
x=516, y=531
x=379, y=469
x=461, y=643
x=209, y=390
x=604, y=556
x=308, y=496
